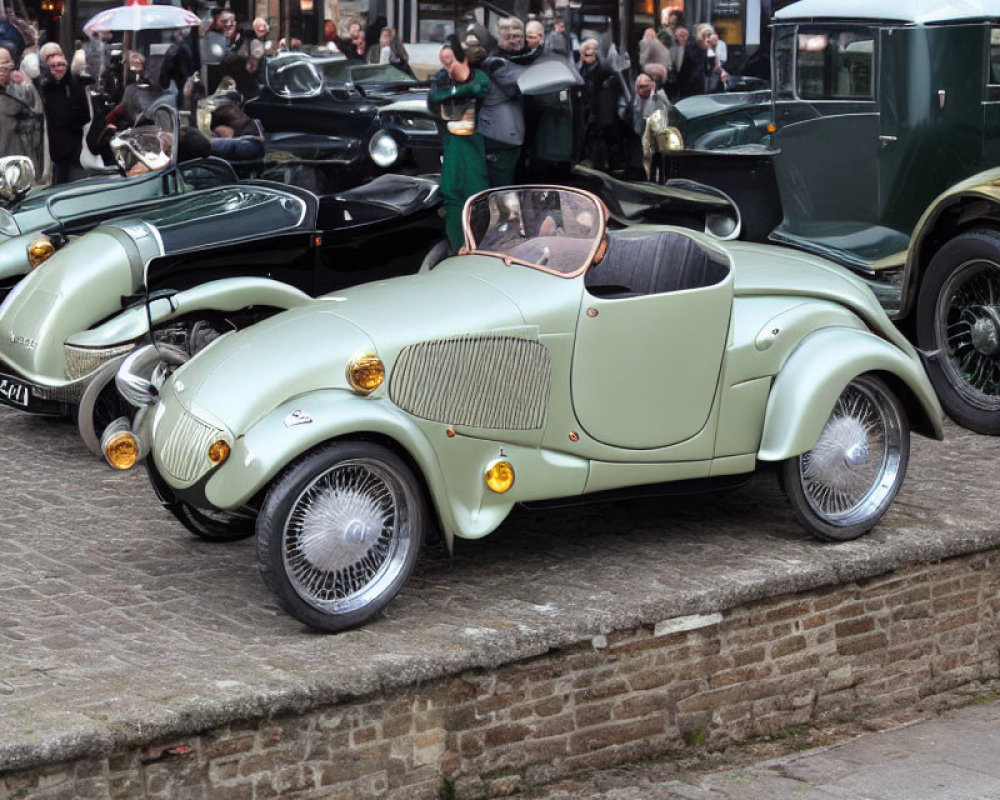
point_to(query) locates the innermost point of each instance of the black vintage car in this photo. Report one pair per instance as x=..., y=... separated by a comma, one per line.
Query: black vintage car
x=329, y=111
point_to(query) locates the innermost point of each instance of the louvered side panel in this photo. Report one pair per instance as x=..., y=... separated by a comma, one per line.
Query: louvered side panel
x=475, y=381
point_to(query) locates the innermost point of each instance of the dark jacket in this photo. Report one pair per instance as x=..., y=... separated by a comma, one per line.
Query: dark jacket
x=694, y=72
x=66, y=112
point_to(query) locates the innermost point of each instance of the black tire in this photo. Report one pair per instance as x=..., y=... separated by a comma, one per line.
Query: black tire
x=438, y=253
x=212, y=526
x=958, y=322
x=215, y=525
x=333, y=570
x=840, y=489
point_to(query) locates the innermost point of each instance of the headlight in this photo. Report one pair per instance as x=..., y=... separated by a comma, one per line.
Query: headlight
x=365, y=373
x=121, y=450
x=674, y=139
x=383, y=149
x=40, y=250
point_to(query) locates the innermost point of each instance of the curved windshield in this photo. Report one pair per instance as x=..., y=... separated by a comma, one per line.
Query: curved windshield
x=363, y=74
x=554, y=229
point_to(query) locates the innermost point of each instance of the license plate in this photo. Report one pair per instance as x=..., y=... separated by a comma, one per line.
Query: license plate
x=13, y=392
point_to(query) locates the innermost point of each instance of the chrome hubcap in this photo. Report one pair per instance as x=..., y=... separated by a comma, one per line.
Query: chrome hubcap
x=852, y=469
x=343, y=540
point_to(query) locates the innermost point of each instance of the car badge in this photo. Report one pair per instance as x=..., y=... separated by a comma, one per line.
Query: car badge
x=297, y=417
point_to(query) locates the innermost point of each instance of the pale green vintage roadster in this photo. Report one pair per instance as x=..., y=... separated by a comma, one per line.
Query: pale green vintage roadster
x=551, y=358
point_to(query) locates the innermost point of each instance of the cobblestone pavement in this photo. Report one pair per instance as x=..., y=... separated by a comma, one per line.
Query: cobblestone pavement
x=954, y=755
x=115, y=621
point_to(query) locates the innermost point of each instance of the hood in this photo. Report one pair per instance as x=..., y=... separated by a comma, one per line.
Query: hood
x=243, y=376
x=78, y=286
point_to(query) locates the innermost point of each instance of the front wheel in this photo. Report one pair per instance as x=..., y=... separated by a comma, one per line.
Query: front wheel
x=339, y=533
x=212, y=526
x=958, y=323
x=840, y=489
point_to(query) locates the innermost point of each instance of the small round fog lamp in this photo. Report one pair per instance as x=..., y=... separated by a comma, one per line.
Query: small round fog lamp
x=383, y=150
x=499, y=476
x=40, y=250
x=218, y=452
x=122, y=450
x=365, y=373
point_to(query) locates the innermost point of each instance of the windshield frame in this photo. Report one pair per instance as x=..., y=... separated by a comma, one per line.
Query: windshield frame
x=509, y=260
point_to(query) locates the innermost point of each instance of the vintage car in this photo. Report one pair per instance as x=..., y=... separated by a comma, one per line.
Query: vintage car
x=364, y=118
x=885, y=157
x=33, y=226
x=551, y=358
x=211, y=260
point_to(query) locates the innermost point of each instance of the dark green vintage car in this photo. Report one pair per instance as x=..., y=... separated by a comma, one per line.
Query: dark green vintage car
x=885, y=157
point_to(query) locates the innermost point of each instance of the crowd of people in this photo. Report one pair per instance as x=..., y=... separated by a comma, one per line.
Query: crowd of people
x=612, y=120
x=492, y=136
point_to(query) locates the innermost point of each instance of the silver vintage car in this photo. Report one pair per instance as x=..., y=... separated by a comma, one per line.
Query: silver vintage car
x=551, y=358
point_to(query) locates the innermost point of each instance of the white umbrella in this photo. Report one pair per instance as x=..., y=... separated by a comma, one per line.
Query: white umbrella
x=140, y=16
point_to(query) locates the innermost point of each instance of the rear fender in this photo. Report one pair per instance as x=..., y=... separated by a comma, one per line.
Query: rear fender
x=816, y=373
x=227, y=294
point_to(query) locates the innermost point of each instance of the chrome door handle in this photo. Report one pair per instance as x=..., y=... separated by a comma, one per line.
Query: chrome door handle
x=886, y=138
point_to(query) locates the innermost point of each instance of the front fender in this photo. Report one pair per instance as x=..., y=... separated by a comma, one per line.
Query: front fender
x=226, y=294
x=278, y=439
x=816, y=373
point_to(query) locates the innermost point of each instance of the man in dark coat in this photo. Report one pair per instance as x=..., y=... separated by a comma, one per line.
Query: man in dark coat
x=66, y=112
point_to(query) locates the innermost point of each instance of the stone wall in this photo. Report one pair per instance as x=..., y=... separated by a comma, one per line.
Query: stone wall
x=744, y=671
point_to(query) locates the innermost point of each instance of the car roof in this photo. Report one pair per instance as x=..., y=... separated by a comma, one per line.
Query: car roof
x=920, y=12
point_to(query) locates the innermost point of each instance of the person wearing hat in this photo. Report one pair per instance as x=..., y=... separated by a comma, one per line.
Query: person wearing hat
x=454, y=98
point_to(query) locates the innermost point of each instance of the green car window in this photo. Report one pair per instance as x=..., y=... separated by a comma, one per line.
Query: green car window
x=835, y=63
x=994, y=76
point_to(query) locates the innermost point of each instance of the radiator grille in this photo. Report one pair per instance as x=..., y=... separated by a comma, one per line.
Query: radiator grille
x=476, y=381
x=81, y=361
x=184, y=450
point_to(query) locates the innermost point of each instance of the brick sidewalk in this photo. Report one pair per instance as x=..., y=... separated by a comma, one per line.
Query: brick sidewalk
x=117, y=626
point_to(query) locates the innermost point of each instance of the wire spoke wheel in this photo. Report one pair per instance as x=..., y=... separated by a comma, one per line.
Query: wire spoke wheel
x=847, y=481
x=968, y=330
x=958, y=328
x=339, y=534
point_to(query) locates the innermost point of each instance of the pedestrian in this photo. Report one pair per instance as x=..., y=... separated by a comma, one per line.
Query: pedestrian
x=390, y=50
x=549, y=118
x=66, y=112
x=177, y=66
x=501, y=116
x=640, y=141
x=262, y=33
x=692, y=77
x=20, y=121
x=453, y=99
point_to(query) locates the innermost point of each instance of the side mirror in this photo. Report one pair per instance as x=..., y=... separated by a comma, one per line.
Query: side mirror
x=17, y=174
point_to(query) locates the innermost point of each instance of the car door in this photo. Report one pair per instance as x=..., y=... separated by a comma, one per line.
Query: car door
x=930, y=106
x=646, y=368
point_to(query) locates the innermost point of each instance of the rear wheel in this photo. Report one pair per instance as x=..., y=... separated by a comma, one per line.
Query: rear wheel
x=339, y=533
x=958, y=322
x=840, y=489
